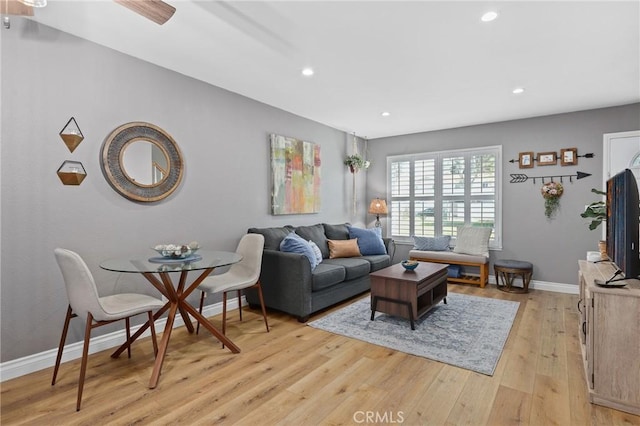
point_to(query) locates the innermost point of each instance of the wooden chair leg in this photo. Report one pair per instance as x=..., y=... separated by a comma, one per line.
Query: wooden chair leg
x=127, y=323
x=200, y=311
x=63, y=339
x=224, y=314
x=264, y=310
x=85, y=353
x=152, y=327
x=240, y=303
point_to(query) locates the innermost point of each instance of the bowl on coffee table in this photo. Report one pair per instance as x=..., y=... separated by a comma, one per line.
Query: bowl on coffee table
x=409, y=265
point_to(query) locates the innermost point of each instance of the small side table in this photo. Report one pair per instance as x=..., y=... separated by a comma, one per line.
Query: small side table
x=508, y=270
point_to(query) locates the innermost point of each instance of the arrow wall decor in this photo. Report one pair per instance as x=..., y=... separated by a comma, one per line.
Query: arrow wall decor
x=521, y=177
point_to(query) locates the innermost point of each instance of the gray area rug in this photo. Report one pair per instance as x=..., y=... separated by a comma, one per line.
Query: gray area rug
x=468, y=332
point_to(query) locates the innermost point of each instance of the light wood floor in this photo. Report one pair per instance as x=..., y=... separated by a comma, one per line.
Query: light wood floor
x=298, y=375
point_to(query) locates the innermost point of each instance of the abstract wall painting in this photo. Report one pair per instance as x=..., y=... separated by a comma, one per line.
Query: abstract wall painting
x=295, y=176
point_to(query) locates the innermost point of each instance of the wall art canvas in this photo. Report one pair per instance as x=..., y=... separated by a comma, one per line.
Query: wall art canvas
x=295, y=174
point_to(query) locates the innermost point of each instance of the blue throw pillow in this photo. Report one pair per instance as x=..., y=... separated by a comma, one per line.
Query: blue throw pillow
x=294, y=243
x=369, y=240
x=431, y=244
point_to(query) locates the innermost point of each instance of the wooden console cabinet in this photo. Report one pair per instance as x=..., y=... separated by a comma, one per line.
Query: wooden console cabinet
x=610, y=338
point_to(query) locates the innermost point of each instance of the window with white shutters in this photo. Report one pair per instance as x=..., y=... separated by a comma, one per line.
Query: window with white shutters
x=432, y=194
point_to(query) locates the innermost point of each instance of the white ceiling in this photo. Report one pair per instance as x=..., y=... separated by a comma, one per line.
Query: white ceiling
x=432, y=65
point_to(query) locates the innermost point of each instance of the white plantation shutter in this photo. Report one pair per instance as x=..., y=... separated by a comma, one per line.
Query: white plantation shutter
x=434, y=193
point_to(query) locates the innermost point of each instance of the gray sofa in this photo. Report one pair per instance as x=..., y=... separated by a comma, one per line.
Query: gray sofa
x=289, y=285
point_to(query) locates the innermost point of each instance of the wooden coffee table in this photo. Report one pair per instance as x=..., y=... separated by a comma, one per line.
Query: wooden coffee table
x=408, y=294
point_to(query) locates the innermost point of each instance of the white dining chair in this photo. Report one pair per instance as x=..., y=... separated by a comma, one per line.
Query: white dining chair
x=85, y=302
x=242, y=275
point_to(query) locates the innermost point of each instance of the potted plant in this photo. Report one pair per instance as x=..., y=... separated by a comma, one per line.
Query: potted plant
x=596, y=211
x=355, y=163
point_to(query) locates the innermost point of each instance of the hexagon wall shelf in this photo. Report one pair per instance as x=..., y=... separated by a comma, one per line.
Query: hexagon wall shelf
x=72, y=172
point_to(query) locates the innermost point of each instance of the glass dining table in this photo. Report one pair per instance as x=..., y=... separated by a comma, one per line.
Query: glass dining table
x=158, y=272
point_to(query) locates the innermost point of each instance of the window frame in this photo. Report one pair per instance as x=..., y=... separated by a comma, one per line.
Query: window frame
x=496, y=242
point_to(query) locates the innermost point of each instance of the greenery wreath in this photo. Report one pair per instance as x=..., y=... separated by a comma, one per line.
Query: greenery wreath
x=551, y=191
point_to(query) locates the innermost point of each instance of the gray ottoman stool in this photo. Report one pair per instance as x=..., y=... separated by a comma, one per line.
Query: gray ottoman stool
x=509, y=270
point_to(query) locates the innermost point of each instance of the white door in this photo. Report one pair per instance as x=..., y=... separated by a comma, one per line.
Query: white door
x=621, y=151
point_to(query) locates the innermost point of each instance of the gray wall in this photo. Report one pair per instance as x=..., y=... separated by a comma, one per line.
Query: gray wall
x=553, y=246
x=48, y=77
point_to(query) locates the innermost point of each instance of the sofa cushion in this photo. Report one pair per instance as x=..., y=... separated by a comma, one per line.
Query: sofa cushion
x=343, y=248
x=378, y=261
x=327, y=275
x=272, y=236
x=431, y=244
x=336, y=232
x=315, y=233
x=294, y=243
x=369, y=240
x=355, y=267
x=473, y=240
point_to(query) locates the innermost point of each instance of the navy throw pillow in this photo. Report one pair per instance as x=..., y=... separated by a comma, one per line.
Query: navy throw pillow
x=369, y=240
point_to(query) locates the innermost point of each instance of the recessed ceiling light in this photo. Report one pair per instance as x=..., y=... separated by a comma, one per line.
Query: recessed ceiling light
x=307, y=72
x=385, y=114
x=489, y=16
x=518, y=90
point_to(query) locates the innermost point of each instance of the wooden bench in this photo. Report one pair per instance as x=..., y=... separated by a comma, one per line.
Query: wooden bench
x=480, y=262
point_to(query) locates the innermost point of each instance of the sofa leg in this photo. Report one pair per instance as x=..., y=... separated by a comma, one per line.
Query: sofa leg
x=303, y=319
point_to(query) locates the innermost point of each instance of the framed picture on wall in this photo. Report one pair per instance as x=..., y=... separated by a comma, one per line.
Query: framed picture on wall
x=295, y=176
x=569, y=156
x=525, y=160
x=547, y=158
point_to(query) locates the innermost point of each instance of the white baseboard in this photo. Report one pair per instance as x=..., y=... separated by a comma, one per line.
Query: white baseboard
x=31, y=363
x=555, y=287
x=547, y=286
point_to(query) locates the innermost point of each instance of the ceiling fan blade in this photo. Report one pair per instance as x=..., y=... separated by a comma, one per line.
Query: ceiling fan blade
x=156, y=10
x=14, y=7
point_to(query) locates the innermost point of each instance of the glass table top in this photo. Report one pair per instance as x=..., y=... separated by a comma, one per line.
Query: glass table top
x=204, y=259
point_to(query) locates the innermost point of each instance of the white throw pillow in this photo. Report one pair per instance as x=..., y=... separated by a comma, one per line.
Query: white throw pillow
x=316, y=251
x=473, y=240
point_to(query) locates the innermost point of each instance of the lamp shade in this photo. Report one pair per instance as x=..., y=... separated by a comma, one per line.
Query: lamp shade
x=378, y=206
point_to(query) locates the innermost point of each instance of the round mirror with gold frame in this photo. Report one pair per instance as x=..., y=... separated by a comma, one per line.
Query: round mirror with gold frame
x=142, y=162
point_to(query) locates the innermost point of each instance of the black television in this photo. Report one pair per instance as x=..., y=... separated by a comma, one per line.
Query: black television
x=623, y=213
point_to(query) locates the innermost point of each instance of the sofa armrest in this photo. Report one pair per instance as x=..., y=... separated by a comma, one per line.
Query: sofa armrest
x=390, y=245
x=286, y=282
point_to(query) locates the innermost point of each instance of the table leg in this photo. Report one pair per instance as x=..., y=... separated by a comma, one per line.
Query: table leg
x=177, y=303
x=374, y=304
x=206, y=324
x=399, y=302
x=162, y=348
x=161, y=288
x=178, y=295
